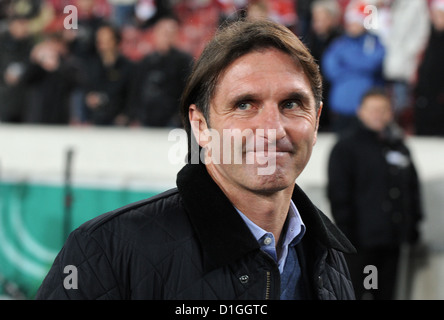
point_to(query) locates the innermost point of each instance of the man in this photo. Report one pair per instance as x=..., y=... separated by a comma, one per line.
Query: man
x=325, y=28
x=160, y=79
x=400, y=66
x=108, y=82
x=352, y=64
x=229, y=230
x=14, y=61
x=374, y=194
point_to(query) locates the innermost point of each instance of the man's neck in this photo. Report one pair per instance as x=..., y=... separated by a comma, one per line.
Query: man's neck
x=109, y=57
x=267, y=210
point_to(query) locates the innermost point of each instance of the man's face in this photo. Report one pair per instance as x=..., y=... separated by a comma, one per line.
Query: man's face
x=165, y=34
x=322, y=21
x=376, y=113
x=354, y=29
x=105, y=40
x=265, y=98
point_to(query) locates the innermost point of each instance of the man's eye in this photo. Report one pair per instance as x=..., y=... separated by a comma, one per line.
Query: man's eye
x=291, y=105
x=244, y=106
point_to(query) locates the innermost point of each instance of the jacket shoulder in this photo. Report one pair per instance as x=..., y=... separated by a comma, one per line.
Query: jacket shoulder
x=147, y=207
x=130, y=240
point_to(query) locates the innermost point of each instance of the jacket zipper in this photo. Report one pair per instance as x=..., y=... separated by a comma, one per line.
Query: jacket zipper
x=268, y=286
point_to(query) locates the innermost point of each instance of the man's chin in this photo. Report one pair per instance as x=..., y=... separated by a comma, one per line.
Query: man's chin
x=272, y=179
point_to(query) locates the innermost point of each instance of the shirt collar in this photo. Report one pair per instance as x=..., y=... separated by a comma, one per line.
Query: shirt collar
x=295, y=226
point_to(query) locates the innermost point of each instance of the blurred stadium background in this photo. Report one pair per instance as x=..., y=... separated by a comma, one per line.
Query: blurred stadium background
x=53, y=178
x=43, y=195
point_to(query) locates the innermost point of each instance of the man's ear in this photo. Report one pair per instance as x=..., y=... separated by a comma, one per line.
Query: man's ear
x=199, y=125
x=318, y=118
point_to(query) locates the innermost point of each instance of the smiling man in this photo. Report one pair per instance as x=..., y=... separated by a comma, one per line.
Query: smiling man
x=229, y=230
x=267, y=90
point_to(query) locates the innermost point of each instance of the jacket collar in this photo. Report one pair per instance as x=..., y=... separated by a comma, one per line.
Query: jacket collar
x=223, y=235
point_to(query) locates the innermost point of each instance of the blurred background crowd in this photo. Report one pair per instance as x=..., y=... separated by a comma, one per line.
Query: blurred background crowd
x=124, y=62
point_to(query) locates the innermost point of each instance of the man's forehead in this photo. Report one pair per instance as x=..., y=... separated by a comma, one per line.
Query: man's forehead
x=377, y=100
x=257, y=70
x=264, y=56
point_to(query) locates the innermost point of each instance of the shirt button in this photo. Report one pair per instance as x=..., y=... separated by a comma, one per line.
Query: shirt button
x=244, y=279
x=267, y=241
x=394, y=193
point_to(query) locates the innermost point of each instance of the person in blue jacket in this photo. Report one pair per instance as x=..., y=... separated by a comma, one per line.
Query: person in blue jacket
x=353, y=65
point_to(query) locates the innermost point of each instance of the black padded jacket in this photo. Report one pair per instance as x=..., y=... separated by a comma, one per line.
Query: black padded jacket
x=190, y=243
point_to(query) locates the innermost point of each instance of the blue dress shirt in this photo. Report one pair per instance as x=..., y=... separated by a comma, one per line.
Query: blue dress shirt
x=287, y=261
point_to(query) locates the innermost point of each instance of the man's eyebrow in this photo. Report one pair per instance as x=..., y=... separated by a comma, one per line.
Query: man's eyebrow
x=236, y=99
x=305, y=98
x=293, y=95
x=298, y=95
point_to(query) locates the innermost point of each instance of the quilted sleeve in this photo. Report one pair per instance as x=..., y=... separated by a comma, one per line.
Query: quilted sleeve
x=81, y=271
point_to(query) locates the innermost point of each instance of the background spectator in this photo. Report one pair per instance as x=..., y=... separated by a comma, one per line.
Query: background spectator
x=51, y=78
x=16, y=46
x=404, y=43
x=325, y=27
x=353, y=65
x=429, y=106
x=82, y=39
x=374, y=194
x=108, y=76
x=160, y=78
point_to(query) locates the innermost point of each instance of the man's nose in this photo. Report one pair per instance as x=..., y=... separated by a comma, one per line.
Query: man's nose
x=271, y=119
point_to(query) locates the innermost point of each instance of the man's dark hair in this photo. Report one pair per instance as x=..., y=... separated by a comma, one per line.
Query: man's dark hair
x=375, y=92
x=232, y=42
x=117, y=34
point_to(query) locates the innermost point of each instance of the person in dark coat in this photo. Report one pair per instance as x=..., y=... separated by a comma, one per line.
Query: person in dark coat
x=374, y=194
x=160, y=79
x=107, y=88
x=16, y=44
x=429, y=91
x=229, y=230
x=51, y=77
x=325, y=28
